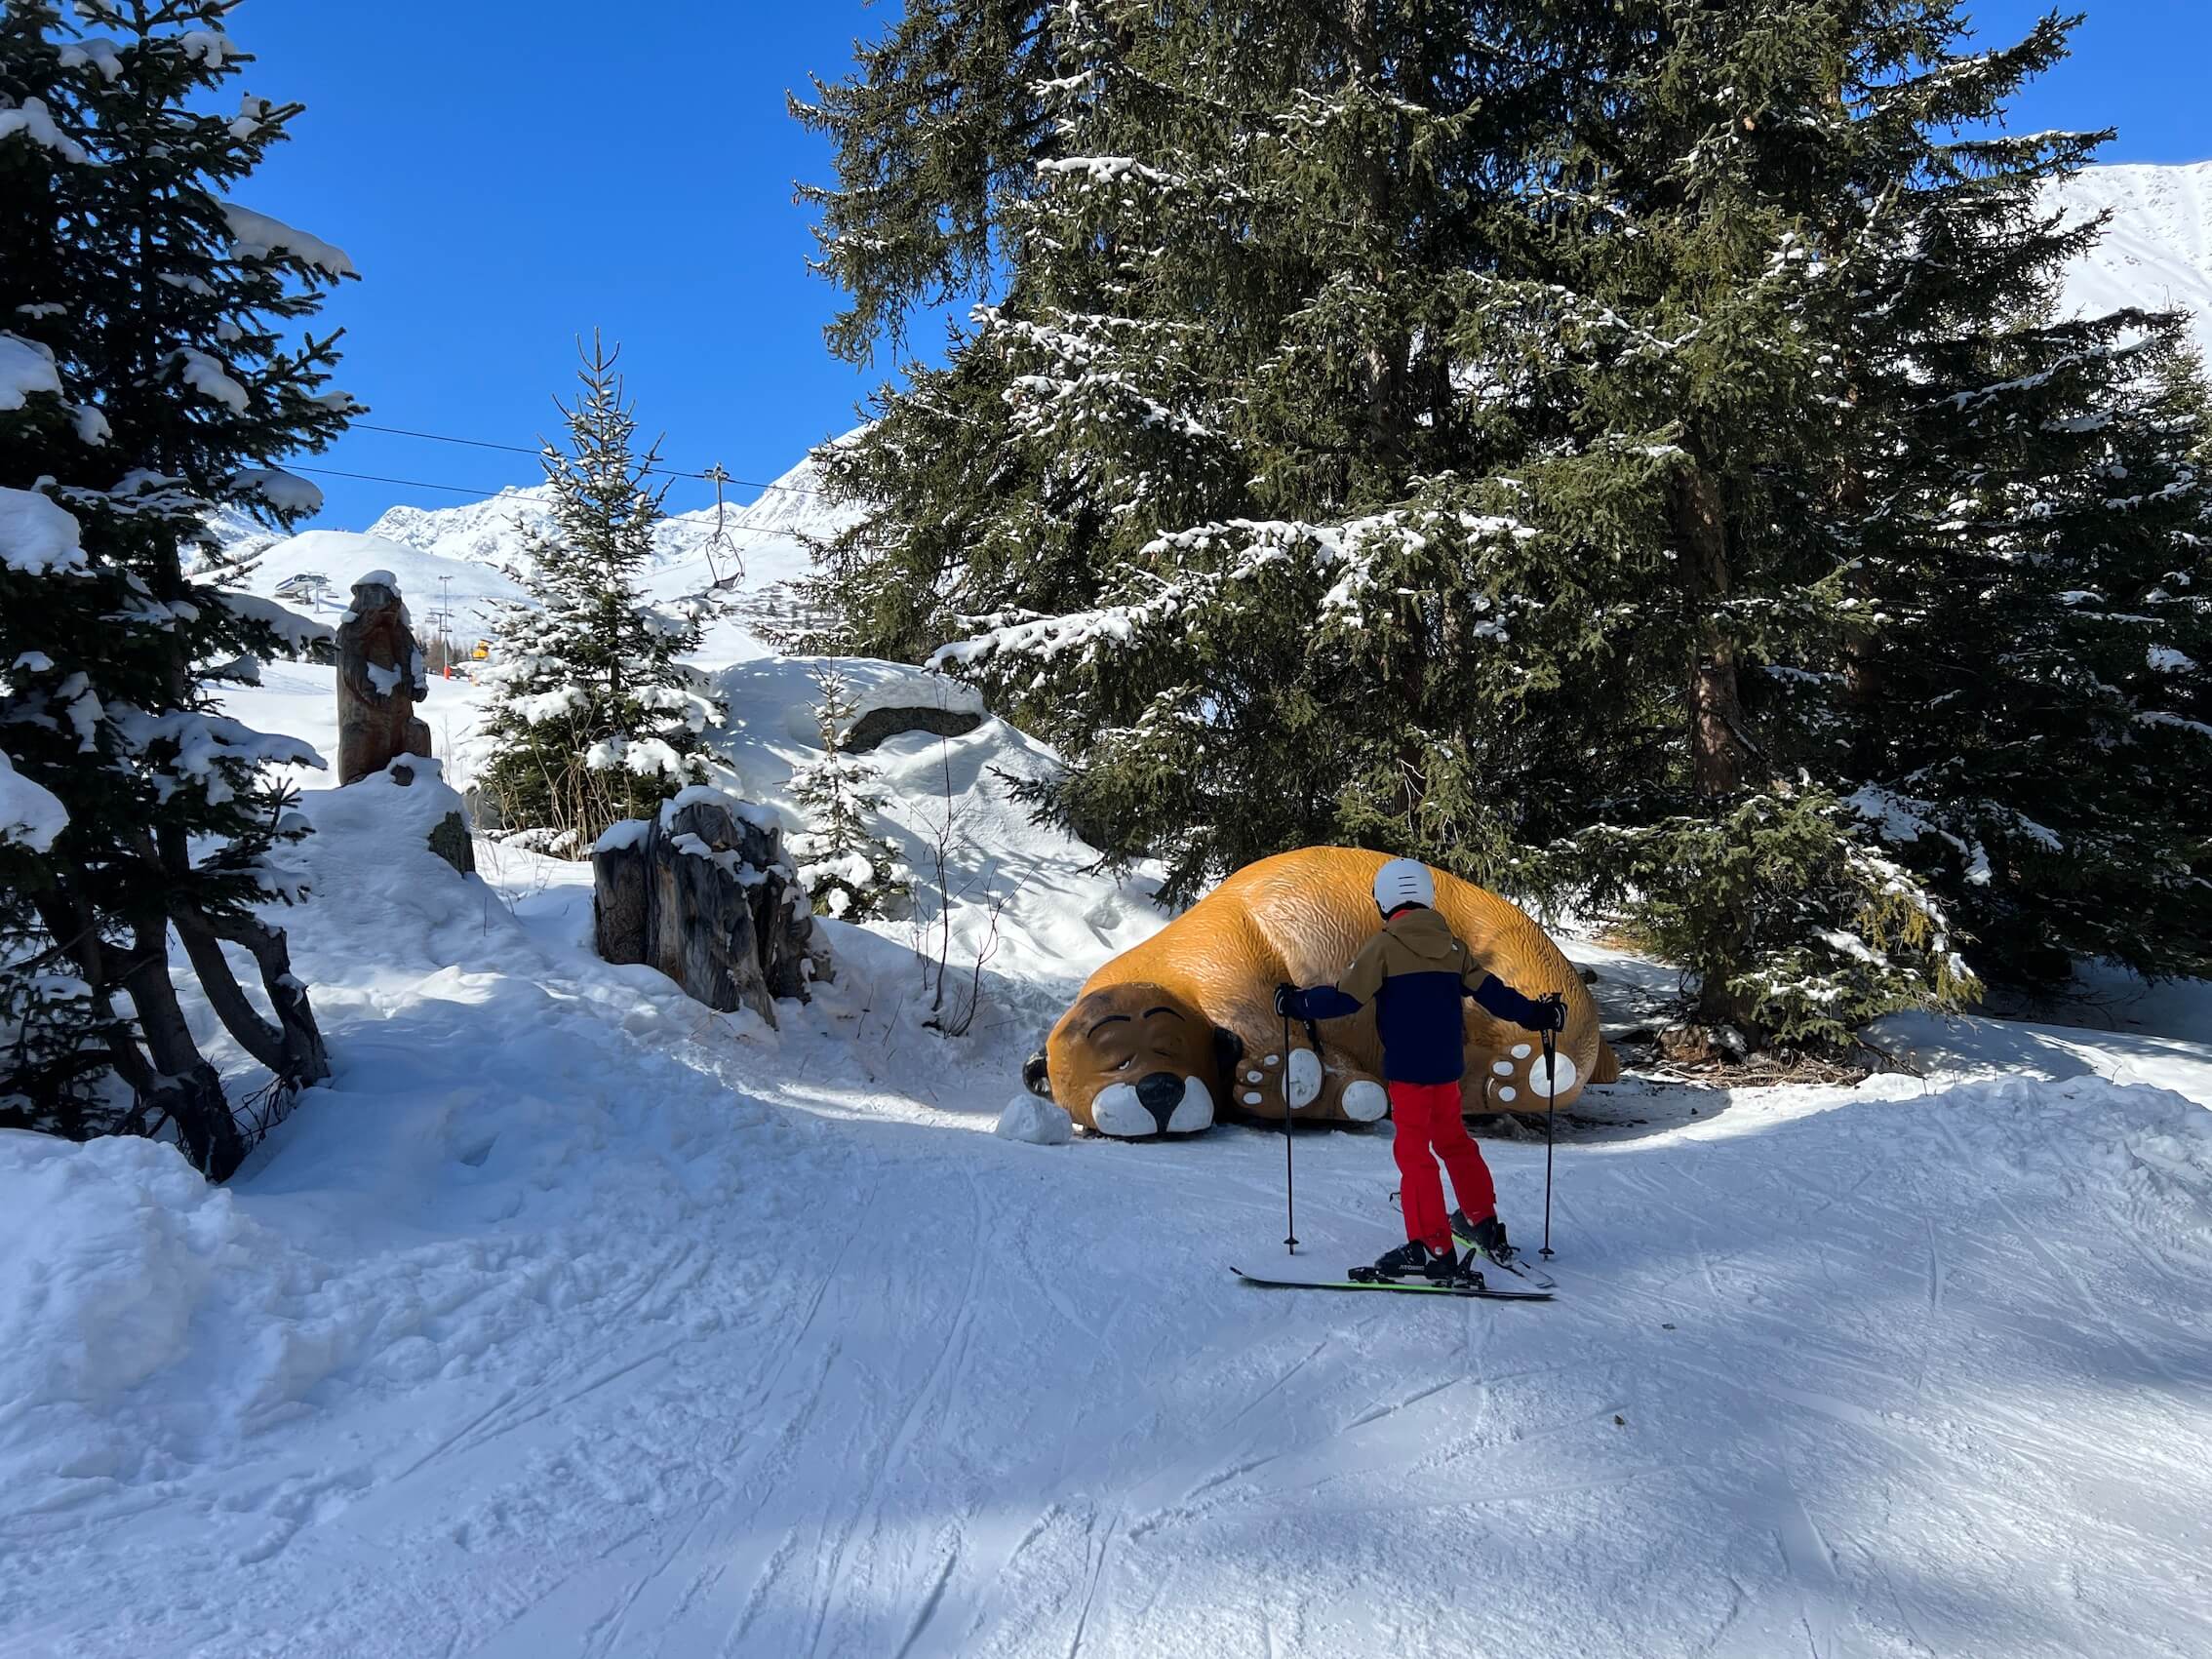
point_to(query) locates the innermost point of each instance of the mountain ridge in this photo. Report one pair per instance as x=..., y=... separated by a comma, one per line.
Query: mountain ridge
x=2157, y=253
x=494, y=530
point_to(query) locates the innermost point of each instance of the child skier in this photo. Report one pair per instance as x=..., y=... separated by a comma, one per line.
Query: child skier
x=1415, y=972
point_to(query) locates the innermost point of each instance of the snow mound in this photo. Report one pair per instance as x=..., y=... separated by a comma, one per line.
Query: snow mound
x=876, y=685
x=127, y=1268
x=379, y=807
x=1062, y=909
x=1037, y=1122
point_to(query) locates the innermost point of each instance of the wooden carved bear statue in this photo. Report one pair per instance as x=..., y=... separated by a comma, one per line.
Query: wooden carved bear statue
x=381, y=679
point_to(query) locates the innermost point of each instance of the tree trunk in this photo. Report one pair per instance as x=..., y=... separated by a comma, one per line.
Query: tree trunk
x=1717, y=739
x=293, y=1047
x=66, y=915
x=620, y=906
x=188, y=1090
x=707, y=900
x=1862, y=671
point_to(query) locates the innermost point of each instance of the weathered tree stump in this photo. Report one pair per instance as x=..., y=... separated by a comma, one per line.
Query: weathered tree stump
x=705, y=894
x=380, y=678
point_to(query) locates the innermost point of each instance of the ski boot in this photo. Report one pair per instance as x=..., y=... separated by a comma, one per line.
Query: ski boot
x=1413, y=1260
x=1487, y=1235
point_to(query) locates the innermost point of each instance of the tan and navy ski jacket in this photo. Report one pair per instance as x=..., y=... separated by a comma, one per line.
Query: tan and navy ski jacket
x=1415, y=972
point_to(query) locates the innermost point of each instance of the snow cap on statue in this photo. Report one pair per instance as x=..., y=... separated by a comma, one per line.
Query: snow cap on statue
x=1401, y=882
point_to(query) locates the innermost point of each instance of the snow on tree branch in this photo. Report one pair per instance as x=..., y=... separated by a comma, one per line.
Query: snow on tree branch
x=36, y=536
x=258, y=237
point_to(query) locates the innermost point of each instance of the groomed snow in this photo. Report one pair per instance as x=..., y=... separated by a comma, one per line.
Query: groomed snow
x=571, y=1317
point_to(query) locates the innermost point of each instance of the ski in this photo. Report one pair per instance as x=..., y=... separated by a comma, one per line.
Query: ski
x=1411, y=1286
x=1520, y=1267
x=1535, y=1275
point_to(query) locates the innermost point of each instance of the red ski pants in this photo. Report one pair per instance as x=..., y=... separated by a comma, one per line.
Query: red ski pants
x=1427, y=1121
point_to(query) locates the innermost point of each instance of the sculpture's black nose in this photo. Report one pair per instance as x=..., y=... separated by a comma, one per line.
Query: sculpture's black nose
x=1159, y=1093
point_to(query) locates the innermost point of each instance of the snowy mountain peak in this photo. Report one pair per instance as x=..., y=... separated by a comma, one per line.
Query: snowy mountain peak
x=2157, y=248
x=495, y=530
x=490, y=531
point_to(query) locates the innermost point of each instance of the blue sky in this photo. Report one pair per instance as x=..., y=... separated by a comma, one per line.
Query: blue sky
x=508, y=176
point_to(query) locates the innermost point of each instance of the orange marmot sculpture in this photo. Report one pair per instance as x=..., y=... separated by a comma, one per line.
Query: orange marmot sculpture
x=1184, y=1023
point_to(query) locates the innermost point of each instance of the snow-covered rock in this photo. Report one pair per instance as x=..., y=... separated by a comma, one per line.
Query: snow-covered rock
x=881, y=691
x=1037, y=1122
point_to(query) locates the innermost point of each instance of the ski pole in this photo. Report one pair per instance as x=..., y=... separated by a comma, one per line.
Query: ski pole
x=1289, y=1169
x=1551, y=1111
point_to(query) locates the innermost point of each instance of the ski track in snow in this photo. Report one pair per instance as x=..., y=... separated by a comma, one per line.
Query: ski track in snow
x=571, y=1319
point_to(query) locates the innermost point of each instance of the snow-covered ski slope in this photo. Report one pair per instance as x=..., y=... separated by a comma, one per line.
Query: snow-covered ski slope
x=2156, y=249
x=573, y=1318
x=427, y=581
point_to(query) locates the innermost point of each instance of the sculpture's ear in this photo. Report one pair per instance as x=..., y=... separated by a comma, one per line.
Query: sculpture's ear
x=1035, y=1077
x=1228, y=1049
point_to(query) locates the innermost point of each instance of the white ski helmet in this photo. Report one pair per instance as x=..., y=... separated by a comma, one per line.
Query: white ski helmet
x=1403, y=881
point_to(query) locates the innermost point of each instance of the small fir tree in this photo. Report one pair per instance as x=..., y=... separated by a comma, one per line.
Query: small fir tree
x=595, y=718
x=852, y=872
x=143, y=309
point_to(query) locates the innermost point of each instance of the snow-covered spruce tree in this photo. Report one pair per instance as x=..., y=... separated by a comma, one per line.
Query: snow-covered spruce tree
x=154, y=305
x=1691, y=285
x=2032, y=588
x=1903, y=472
x=594, y=720
x=54, y=1064
x=851, y=870
x=1450, y=427
x=1280, y=517
x=1206, y=469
